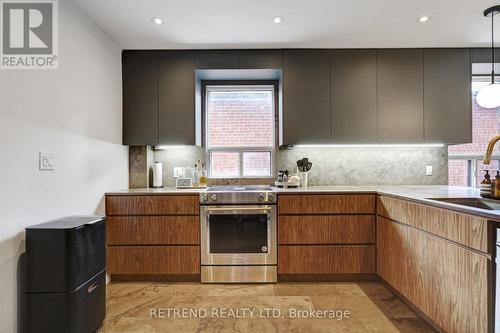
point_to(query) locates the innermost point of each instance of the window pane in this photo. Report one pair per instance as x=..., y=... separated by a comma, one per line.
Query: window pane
x=458, y=172
x=240, y=117
x=224, y=164
x=485, y=125
x=257, y=163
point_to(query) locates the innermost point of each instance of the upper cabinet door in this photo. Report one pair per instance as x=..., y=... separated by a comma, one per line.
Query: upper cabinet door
x=259, y=59
x=217, y=59
x=176, y=91
x=447, y=96
x=306, y=97
x=140, y=97
x=354, y=96
x=400, y=96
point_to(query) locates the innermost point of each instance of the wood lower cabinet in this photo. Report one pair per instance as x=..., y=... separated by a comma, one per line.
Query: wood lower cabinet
x=326, y=229
x=326, y=237
x=326, y=259
x=326, y=204
x=153, y=230
x=439, y=260
x=152, y=205
x=468, y=230
x=153, y=237
x=154, y=260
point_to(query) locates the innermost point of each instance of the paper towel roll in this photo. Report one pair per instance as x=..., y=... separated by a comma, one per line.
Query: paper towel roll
x=157, y=174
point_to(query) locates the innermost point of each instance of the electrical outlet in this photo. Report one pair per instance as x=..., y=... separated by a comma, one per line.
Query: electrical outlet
x=47, y=161
x=428, y=170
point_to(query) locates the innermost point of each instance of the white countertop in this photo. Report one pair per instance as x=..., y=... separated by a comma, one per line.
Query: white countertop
x=416, y=193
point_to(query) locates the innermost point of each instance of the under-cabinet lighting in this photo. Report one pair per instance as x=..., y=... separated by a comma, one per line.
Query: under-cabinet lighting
x=163, y=147
x=417, y=145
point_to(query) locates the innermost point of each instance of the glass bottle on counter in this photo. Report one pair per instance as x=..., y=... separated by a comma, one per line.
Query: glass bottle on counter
x=196, y=176
x=203, y=176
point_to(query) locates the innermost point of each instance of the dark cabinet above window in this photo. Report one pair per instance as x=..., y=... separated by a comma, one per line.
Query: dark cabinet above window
x=217, y=59
x=259, y=59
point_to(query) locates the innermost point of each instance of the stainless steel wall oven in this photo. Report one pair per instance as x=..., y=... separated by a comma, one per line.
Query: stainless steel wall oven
x=238, y=235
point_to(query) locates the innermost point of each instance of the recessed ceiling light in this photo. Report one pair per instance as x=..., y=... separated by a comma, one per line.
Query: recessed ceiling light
x=423, y=19
x=157, y=20
x=277, y=19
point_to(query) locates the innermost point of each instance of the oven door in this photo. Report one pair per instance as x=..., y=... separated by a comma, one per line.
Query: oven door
x=238, y=235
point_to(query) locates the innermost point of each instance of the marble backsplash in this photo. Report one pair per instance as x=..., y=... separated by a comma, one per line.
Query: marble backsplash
x=339, y=165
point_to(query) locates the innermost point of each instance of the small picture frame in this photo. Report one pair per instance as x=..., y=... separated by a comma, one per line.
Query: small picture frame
x=184, y=183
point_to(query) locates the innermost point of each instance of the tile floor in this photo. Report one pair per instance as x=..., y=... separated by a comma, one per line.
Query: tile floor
x=144, y=307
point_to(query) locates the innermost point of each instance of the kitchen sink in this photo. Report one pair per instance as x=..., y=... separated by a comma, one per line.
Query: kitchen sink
x=488, y=204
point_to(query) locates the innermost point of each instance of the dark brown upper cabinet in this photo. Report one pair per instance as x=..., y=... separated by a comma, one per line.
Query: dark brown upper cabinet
x=447, y=96
x=354, y=96
x=306, y=97
x=176, y=119
x=140, y=97
x=259, y=59
x=400, y=96
x=217, y=59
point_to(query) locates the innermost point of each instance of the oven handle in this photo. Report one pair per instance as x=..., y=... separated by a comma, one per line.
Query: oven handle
x=233, y=209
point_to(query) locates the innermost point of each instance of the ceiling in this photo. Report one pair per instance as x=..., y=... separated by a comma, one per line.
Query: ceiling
x=201, y=24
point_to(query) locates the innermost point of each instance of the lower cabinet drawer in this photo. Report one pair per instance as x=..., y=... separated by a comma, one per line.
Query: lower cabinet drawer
x=326, y=259
x=153, y=230
x=154, y=260
x=326, y=229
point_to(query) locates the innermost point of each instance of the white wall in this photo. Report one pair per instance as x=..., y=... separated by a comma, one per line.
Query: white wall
x=75, y=112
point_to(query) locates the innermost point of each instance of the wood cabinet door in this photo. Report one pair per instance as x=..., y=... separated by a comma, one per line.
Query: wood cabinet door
x=447, y=96
x=326, y=229
x=259, y=59
x=354, y=96
x=217, y=59
x=140, y=97
x=144, y=260
x=400, y=96
x=176, y=121
x=447, y=282
x=326, y=259
x=130, y=205
x=306, y=97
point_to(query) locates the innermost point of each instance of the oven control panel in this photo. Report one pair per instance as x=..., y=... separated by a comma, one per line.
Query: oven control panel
x=238, y=197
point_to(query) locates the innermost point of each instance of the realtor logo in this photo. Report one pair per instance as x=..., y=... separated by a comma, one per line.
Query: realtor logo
x=29, y=34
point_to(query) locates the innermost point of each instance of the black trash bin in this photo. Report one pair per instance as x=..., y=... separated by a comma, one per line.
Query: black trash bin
x=66, y=275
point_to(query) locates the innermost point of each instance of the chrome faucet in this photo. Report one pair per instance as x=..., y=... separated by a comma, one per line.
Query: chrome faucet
x=489, y=150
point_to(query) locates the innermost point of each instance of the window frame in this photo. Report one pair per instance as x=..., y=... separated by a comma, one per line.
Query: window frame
x=241, y=84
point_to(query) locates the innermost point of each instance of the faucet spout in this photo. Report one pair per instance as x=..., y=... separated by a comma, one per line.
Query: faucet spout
x=489, y=150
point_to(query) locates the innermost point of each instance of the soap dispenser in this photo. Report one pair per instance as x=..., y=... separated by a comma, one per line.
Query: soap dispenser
x=486, y=186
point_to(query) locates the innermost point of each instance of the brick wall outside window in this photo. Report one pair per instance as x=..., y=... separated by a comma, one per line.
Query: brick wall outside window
x=239, y=118
x=485, y=125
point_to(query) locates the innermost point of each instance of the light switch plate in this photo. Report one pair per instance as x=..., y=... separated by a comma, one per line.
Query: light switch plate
x=428, y=170
x=47, y=161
